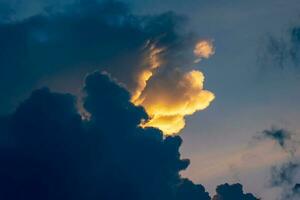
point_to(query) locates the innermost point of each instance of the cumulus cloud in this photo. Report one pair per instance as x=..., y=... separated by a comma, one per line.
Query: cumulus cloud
x=203, y=49
x=232, y=192
x=55, y=155
x=169, y=100
x=60, y=45
x=51, y=153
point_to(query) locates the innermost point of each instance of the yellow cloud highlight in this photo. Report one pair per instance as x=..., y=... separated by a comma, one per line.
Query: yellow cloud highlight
x=168, y=100
x=153, y=63
x=170, y=96
x=204, y=49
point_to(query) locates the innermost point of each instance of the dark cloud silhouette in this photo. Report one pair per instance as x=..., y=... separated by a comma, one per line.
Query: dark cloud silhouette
x=232, y=192
x=51, y=153
x=296, y=191
x=47, y=150
x=81, y=37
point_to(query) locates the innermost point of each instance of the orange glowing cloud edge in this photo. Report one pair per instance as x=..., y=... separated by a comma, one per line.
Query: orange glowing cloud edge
x=146, y=74
x=203, y=49
x=168, y=103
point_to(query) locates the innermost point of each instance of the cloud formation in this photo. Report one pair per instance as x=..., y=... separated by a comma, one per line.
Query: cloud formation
x=169, y=100
x=232, y=192
x=203, y=49
x=283, y=176
x=51, y=153
x=63, y=157
x=282, y=137
x=140, y=51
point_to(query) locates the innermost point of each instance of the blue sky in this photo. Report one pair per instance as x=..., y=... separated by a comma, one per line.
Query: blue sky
x=250, y=96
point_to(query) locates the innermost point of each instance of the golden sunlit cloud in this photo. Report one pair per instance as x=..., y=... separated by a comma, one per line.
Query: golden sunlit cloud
x=203, y=49
x=146, y=74
x=169, y=98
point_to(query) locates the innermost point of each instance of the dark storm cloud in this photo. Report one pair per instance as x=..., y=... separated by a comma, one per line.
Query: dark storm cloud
x=80, y=38
x=51, y=153
x=282, y=51
x=232, y=192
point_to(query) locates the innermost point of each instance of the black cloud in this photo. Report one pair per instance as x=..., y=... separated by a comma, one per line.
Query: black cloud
x=230, y=192
x=79, y=38
x=47, y=151
x=51, y=153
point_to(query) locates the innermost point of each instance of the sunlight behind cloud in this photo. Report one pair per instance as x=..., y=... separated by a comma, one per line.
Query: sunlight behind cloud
x=203, y=49
x=146, y=74
x=169, y=98
x=169, y=101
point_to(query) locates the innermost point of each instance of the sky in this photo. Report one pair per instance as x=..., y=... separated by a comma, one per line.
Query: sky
x=250, y=95
x=234, y=105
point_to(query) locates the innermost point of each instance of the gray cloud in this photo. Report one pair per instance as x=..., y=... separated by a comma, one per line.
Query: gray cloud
x=82, y=37
x=283, y=175
x=281, y=51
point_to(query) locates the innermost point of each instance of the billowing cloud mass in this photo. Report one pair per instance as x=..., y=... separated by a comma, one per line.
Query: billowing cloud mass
x=49, y=152
x=169, y=96
x=232, y=192
x=168, y=100
x=140, y=51
x=203, y=49
x=53, y=154
x=143, y=77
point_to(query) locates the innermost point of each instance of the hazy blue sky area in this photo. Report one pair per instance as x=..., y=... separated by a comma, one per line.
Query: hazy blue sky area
x=252, y=92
